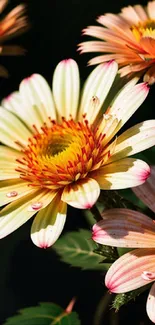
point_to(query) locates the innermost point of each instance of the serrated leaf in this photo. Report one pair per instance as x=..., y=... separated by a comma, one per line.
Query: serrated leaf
x=44, y=314
x=77, y=249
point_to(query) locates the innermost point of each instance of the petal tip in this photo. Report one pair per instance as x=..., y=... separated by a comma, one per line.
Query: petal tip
x=95, y=230
x=43, y=246
x=145, y=174
x=110, y=287
x=143, y=86
x=67, y=61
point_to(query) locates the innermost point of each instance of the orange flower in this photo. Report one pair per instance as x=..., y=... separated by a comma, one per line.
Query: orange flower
x=128, y=38
x=13, y=24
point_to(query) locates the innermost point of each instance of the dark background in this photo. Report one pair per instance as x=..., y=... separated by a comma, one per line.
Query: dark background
x=28, y=274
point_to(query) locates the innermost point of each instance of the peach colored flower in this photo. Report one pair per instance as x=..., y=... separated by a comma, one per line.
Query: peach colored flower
x=127, y=228
x=128, y=38
x=13, y=24
x=59, y=150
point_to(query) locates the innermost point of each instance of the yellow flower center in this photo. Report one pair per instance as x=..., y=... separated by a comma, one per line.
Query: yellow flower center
x=145, y=29
x=62, y=153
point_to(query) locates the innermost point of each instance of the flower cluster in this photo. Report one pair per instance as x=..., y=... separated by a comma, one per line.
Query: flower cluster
x=61, y=147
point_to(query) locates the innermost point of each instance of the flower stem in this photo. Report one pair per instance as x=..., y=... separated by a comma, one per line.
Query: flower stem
x=95, y=212
x=102, y=308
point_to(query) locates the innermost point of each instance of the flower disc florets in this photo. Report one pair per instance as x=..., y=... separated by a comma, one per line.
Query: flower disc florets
x=61, y=154
x=144, y=29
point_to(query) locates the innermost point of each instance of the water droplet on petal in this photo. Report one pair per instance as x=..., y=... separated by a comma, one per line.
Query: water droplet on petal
x=12, y=194
x=148, y=276
x=37, y=206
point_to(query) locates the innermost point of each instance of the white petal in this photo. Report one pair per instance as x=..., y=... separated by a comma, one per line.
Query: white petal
x=82, y=194
x=18, y=212
x=8, y=163
x=12, y=130
x=136, y=139
x=127, y=102
x=36, y=101
x=124, y=173
x=11, y=190
x=97, y=85
x=66, y=83
x=48, y=223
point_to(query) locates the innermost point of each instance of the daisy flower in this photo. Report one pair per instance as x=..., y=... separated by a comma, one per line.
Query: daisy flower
x=13, y=24
x=59, y=150
x=127, y=37
x=127, y=228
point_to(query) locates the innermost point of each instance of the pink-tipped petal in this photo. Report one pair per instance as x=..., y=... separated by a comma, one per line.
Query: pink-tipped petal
x=48, y=223
x=82, y=194
x=66, y=83
x=124, y=228
x=21, y=210
x=124, y=173
x=146, y=192
x=128, y=101
x=37, y=102
x=97, y=85
x=150, y=305
x=136, y=139
x=125, y=274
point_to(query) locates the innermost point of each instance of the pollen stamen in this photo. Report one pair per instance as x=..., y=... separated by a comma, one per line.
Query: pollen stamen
x=62, y=153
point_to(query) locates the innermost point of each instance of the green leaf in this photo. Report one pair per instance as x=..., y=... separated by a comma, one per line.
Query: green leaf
x=77, y=249
x=44, y=314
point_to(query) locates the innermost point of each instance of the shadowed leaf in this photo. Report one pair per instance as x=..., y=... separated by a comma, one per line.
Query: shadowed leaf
x=44, y=314
x=77, y=249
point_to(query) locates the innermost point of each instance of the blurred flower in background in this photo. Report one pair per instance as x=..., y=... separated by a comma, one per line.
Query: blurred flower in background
x=11, y=25
x=128, y=37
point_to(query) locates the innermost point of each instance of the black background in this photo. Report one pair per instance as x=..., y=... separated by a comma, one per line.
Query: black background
x=28, y=274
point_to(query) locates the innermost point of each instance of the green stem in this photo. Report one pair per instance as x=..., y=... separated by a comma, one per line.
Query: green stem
x=114, y=318
x=102, y=308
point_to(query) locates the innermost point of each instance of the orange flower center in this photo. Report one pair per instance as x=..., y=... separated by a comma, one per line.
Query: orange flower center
x=144, y=29
x=61, y=154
